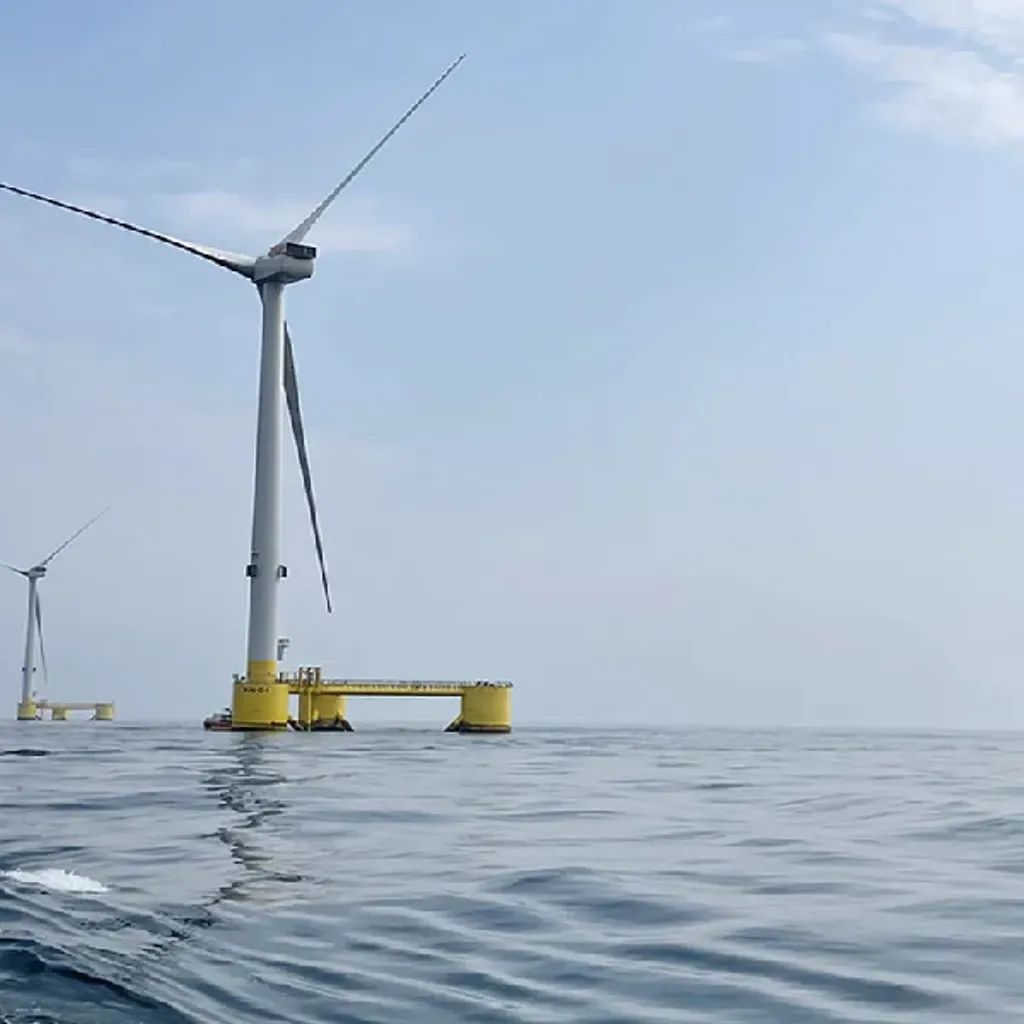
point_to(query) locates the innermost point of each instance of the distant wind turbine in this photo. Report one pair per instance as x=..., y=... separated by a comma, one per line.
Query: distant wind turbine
x=257, y=703
x=34, y=623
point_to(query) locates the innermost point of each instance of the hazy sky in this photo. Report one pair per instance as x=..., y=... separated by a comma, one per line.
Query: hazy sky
x=670, y=362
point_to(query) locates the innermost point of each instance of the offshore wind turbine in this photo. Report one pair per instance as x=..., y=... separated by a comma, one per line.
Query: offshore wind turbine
x=34, y=624
x=259, y=702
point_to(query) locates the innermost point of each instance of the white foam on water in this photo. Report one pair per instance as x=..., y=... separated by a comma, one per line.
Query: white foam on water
x=56, y=879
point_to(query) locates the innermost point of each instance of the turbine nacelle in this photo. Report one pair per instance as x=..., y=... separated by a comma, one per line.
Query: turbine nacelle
x=286, y=263
x=37, y=572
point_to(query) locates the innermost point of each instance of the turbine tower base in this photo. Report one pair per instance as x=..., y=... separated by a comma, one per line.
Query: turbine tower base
x=259, y=702
x=27, y=711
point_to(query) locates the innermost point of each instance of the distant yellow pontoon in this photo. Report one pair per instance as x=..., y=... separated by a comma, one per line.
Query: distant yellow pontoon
x=59, y=710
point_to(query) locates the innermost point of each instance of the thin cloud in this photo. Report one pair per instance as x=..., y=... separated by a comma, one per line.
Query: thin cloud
x=712, y=25
x=993, y=24
x=879, y=14
x=124, y=172
x=948, y=68
x=720, y=31
x=216, y=216
x=354, y=229
x=771, y=51
x=944, y=93
x=13, y=342
x=104, y=202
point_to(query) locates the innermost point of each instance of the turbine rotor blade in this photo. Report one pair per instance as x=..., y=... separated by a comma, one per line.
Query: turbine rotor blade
x=298, y=233
x=42, y=646
x=291, y=394
x=20, y=572
x=230, y=261
x=53, y=554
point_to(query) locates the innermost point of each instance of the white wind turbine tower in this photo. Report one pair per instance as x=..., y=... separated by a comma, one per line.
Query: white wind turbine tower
x=26, y=708
x=257, y=701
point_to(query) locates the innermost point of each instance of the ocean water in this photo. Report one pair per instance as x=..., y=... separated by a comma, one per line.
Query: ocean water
x=170, y=875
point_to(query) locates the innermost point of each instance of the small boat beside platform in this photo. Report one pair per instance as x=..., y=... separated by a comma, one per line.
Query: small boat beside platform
x=221, y=721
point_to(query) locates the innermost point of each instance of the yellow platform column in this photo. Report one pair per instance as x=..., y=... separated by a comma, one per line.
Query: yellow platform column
x=329, y=709
x=104, y=712
x=305, y=718
x=259, y=702
x=27, y=711
x=485, y=708
x=58, y=713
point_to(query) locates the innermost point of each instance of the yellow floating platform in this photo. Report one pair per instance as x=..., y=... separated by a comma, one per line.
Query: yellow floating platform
x=485, y=707
x=35, y=710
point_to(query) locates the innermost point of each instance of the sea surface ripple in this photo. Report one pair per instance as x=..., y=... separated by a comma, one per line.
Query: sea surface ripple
x=168, y=875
